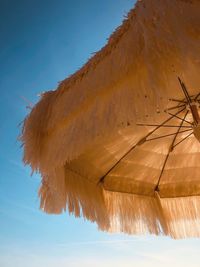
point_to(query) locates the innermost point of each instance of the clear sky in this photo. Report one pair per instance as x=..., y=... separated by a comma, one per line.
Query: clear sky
x=42, y=42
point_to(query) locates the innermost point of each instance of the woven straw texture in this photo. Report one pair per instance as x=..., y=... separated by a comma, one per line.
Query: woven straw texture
x=85, y=140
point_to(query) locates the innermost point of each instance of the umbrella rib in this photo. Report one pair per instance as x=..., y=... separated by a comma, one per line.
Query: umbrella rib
x=185, y=92
x=174, y=115
x=140, y=142
x=189, y=102
x=177, y=100
x=196, y=97
x=179, y=106
x=179, y=196
x=168, y=154
x=152, y=196
x=182, y=140
x=137, y=194
x=166, y=135
x=173, y=126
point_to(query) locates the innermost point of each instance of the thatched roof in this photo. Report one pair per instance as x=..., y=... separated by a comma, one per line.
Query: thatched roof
x=79, y=135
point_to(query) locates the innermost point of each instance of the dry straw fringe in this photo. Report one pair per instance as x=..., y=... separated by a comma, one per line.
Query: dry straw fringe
x=120, y=212
x=109, y=91
x=67, y=189
x=134, y=75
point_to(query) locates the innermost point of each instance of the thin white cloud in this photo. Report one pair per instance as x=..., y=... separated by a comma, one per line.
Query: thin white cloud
x=102, y=242
x=35, y=261
x=159, y=252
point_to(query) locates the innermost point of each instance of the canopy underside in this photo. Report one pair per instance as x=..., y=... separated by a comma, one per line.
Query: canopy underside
x=122, y=163
x=85, y=138
x=114, y=183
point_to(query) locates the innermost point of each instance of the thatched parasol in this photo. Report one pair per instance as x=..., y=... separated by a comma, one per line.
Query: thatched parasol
x=118, y=141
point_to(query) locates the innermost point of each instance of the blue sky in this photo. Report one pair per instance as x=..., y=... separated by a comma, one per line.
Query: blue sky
x=42, y=42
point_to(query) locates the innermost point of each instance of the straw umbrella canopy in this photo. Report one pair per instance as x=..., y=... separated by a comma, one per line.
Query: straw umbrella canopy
x=118, y=141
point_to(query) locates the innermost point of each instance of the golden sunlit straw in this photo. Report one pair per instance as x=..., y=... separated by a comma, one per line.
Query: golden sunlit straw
x=118, y=141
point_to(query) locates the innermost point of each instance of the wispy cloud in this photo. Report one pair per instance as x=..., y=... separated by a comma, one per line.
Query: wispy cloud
x=102, y=242
x=158, y=252
x=95, y=261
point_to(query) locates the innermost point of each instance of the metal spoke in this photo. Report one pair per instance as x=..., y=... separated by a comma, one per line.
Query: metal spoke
x=184, y=89
x=177, y=100
x=189, y=100
x=196, y=97
x=182, y=140
x=179, y=106
x=166, y=125
x=140, y=142
x=174, y=115
x=162, y=136
x=170, y=150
